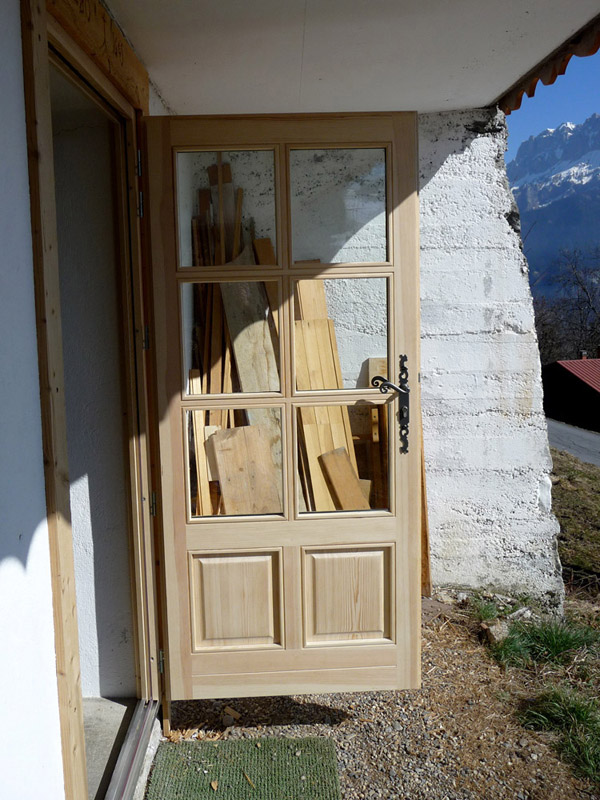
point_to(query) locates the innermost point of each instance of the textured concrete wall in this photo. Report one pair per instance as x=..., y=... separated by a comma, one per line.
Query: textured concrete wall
x=30, y=751
x=485, y=433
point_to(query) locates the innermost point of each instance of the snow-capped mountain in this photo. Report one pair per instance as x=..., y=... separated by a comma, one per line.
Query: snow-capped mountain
x=555, y=178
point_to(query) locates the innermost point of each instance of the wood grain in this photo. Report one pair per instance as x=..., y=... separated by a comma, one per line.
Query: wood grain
x=343, y=482
x=249, y=480
x=92, y=27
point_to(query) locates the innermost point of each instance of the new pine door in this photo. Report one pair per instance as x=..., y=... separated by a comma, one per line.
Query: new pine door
x=285, y=277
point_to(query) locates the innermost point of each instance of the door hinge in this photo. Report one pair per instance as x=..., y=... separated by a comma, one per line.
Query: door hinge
x=153, y=504
x=139, y=163
x=161, y=662
x=140, y=210
x=146, y=338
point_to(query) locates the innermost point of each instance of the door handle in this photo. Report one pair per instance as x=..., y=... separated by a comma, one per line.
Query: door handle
x=403, y=391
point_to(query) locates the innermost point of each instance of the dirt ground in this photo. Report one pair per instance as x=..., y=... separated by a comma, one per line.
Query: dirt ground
x=457, y=738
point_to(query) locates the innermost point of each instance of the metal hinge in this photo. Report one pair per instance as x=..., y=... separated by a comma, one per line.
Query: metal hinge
x=161, y=662
x=153, y=504
x=139, y=163
x=146, y=338
x=140, y=210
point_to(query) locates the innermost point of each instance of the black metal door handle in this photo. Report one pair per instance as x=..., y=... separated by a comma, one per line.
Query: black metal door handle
x=403, y=390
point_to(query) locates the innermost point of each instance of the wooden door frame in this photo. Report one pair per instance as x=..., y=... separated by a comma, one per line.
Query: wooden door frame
x=126, y=91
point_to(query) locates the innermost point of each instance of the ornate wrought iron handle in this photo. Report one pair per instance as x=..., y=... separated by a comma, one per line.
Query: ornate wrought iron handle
x=381, y=383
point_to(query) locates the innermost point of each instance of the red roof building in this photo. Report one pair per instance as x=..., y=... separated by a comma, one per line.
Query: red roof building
x=572, y=392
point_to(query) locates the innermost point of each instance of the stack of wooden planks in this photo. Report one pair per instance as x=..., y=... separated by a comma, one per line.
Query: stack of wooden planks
x=236, y=466
x=327, y=458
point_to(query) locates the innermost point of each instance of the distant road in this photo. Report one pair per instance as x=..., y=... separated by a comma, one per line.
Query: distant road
x=584, y=445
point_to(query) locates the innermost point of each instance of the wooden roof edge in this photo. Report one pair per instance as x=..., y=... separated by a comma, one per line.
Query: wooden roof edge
x=585, y=42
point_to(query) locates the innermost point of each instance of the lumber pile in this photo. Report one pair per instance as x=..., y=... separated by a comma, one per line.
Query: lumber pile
x=329, y=473
x=235, y=455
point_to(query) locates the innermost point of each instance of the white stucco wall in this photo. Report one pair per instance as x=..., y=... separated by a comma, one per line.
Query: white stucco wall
x=486, y=444
x=90, y=315
x=30, y=752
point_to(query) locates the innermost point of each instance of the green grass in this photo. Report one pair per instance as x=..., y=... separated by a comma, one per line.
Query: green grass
x=560, y=709
x=247, y=769
x=483, y=610
x=577, y=719
x=576, y=503
x=551, y=641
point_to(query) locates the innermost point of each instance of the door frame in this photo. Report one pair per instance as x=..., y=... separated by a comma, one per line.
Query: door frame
x=45, y=40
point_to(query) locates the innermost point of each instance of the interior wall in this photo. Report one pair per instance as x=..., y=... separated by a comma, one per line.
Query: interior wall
x=90, y=311
x=30, y=745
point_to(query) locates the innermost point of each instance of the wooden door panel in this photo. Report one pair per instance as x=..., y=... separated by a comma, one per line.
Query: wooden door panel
x=236, y=599
x=291, y=556
x=348, y=595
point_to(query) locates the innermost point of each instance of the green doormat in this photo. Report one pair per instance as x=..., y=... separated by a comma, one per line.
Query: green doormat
x=246, y=769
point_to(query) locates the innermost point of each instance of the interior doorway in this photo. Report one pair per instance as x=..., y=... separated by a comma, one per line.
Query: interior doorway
x=86, y=140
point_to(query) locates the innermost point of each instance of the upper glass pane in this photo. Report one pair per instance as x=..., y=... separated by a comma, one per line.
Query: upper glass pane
x=338, y=204
x=226, y=207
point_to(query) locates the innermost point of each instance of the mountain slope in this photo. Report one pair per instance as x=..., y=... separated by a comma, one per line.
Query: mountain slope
x=555, y=178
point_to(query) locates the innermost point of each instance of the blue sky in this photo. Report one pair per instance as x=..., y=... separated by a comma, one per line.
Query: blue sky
x=573, y=97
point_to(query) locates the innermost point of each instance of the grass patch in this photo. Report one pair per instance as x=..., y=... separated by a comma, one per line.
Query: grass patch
x=577, y=719
x=551, y=641
x=582, y=748
x=483, y=610
x=576, y=503
x=560, y=709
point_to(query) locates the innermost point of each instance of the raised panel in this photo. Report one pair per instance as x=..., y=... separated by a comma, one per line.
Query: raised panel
x=348, y=594
x=236, y=600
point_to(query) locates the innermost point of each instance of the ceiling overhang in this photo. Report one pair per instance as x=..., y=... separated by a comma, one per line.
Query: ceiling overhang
x=278, y=56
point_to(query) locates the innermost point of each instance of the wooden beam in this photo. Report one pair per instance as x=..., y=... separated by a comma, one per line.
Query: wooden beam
x=95, y=31
x=52, y=395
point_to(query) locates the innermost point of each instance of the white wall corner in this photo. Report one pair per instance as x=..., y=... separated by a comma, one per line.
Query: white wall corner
x=30, y=746
x=486, y=442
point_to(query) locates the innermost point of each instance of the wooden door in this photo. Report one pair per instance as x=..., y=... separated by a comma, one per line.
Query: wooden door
x=285, y=272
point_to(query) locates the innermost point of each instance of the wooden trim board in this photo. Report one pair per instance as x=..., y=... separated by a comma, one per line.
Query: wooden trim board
x=92, y=27
x=53, y=413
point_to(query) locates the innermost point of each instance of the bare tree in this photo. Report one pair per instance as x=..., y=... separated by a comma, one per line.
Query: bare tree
x=569, y=322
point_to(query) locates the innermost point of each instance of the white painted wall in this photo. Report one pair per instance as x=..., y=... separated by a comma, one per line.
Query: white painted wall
x=30, y=752
x=90, y=312
x=486, y=444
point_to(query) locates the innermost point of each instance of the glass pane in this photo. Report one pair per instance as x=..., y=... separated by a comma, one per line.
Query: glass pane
x=234, y=462
x=343, y=458
x=341, y=332
x=338, y=203
x=226, y=202
x=230, y=334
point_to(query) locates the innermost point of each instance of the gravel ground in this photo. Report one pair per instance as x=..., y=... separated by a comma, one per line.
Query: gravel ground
x=455, y=739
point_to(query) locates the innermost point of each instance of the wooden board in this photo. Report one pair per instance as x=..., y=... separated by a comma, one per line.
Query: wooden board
x=310, y=300
x=248, y=478
x=96, y=32
x=343, y=481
